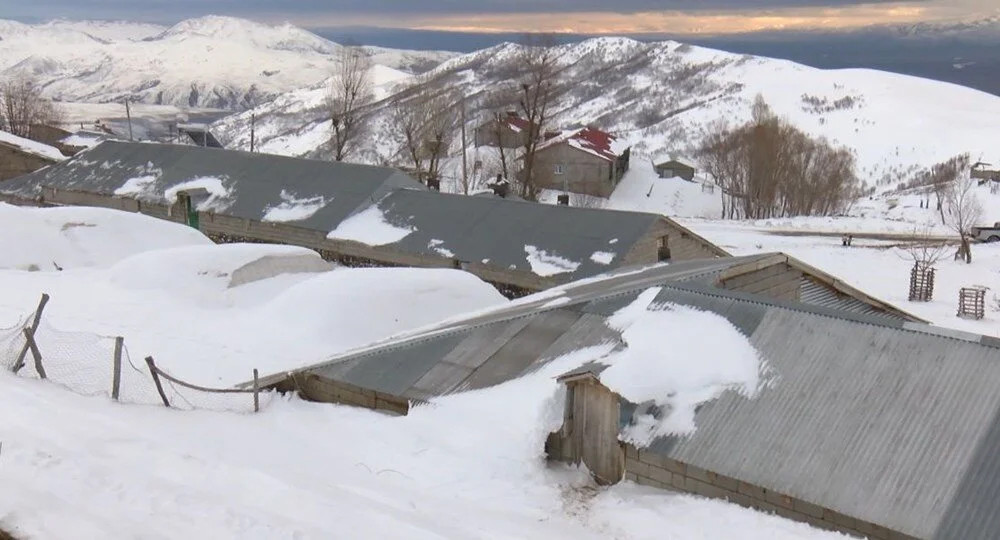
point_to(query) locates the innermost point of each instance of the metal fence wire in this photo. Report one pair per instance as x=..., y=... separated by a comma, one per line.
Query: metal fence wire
x=86, y=363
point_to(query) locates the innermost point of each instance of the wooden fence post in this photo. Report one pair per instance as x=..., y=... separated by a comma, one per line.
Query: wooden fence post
x=117, y=380
x=156, y=379
x=256, y=392
x=34, y=327
x=30, y=337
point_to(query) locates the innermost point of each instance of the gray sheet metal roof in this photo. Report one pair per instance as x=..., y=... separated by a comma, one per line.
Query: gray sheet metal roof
x=257, y=181
x=892, y=422
x=497, y=229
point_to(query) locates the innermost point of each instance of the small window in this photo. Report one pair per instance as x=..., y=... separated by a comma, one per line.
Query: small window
x=559, y=168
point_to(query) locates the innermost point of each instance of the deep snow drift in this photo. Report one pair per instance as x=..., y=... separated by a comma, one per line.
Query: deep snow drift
x=210, y=313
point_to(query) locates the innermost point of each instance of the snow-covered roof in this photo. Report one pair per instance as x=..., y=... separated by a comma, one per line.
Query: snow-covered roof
x=591, y=140
x=910, y=409
x=31, y=147
x=377, y=206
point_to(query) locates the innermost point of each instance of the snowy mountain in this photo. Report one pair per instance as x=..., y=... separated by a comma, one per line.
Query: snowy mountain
x=217, y=62
x=661, y=97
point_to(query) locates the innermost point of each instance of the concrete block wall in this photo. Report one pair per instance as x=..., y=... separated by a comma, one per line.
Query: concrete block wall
x=684, y=245
x=655, y=470
x=14, y=163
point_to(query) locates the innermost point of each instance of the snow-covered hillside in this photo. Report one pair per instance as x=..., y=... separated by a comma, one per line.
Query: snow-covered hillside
x=218, y=62
x=661, y=97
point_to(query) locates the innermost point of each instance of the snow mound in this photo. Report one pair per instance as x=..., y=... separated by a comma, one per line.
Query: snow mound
x=369, y=227
x=71, y=237
x=294, y=208
x=199, y=272
x=669, y=386
x=219, y=194
x=354, y=307
x=544, y=263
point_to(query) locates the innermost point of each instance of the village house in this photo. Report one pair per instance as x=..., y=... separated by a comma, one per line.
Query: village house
x=506, y=130
x=20, y=156
x=674, y=169
x=586, y=161
x=518, y=246
x=865, y=398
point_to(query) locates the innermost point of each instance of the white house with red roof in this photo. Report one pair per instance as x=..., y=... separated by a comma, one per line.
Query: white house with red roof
x=586, y=160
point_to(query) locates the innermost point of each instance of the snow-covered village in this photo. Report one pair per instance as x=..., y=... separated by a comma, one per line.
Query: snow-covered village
x=353, y=270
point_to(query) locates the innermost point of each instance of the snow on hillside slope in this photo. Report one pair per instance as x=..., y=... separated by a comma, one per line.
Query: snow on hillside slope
x=661, y=97
x=467, y=466
x=208, y=312
x=217, y=62
x=71, y=237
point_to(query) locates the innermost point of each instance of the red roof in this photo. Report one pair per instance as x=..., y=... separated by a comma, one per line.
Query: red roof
x=590, y=140
x=515, y=122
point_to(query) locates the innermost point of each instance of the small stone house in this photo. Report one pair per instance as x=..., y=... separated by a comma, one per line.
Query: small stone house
x=20, y=156
x=674, y=169
x=587, y=161
x=507, y=130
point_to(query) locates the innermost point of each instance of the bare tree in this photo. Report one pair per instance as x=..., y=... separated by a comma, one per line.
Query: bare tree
x=963, y=212
x=439, y=132
x=21, y=107
x=426, y=125
x=410, y=116
x=942, y=177
x=498, y=106
x=538, y=90
x=926, y=250
x=768, y=168
x=350, y=90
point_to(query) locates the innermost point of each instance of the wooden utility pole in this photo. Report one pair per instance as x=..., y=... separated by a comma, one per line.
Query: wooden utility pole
x=253, y=122
x=465, y=166
x=128, y=114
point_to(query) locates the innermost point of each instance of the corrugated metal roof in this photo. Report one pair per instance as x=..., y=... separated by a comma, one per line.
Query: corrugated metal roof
x=257, y=182
x=470, y=229
x=811, y=292
x=499, y=230
x=890, y=422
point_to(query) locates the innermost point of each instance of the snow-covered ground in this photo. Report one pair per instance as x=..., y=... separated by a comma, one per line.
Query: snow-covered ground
x=210, y=313
x=465, y=466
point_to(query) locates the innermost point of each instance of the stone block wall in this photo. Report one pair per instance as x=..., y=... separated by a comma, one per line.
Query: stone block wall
x=655, y=470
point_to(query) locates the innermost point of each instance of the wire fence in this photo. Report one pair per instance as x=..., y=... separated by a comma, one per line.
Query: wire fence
x=92, y=364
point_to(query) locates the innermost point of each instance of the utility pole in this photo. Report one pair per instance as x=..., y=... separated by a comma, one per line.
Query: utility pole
x=465, y=166
x=128, y=114
x=253, y=121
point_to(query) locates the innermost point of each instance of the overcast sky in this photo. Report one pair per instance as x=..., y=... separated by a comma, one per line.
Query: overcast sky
x=577, y=16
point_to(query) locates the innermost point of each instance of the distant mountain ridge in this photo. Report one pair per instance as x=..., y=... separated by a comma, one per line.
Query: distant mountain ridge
x=211, y=62
x=662, y=97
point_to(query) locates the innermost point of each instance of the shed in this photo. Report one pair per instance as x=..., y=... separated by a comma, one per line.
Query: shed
x=675, y=169
x=20, y=156
x=872, y=425
x=516, y=245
